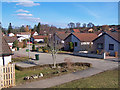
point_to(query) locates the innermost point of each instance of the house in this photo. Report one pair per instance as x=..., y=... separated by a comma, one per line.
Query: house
x=10, y=41
x=60, y=37
x=90, y=30
x=11, y=34
x=80, y=41
x=23, y=35
x=107, y=42
x=76, y=31
x=5, y=52
x=34, y=33
x=3, y=34
x=39, y=38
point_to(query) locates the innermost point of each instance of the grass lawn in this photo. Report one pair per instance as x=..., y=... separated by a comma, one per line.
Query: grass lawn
x=108, y=79
x=20, y=59
x=47, y=72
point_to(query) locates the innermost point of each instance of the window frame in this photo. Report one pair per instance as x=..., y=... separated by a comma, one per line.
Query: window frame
x=112, y=47
x=75, y=44
x=99, y=44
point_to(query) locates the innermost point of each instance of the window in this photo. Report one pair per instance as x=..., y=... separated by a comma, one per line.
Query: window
x=111, y=46
x=100, y=45
x=75, y=44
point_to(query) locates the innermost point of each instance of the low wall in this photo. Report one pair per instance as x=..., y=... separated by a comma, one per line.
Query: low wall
x=102, y=56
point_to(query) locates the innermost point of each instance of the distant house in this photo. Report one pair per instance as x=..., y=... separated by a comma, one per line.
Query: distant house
x=60, y=37
x=34, y=33
x=80, y=41
x=3, y=34
x=5, y=53
x=10, y=41
x=108, y=42
x=39, y=38
x=11, y=34
x=76, y=31
x=90, y=30
x=23, y=35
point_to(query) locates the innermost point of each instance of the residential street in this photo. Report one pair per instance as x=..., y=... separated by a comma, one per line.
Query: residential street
x=98, y=65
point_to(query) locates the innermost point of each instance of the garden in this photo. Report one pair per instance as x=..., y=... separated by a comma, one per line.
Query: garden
x=39, y=72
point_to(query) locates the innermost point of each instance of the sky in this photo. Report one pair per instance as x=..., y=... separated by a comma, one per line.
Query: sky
x=58, y=14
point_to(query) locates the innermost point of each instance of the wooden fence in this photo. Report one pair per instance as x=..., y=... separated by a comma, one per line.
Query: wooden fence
x=7, y=76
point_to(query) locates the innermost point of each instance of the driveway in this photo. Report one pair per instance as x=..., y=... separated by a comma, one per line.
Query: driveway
x=45, y=58
x=98, y=65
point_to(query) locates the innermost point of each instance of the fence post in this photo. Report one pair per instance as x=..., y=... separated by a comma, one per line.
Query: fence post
x=104, y=55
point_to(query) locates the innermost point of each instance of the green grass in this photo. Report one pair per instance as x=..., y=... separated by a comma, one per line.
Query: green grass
x=20, y=59
x=47, y=72
x=108, y=79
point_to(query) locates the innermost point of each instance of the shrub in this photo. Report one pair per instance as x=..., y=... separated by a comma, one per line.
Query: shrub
x=97, y=51
x=68, y=61
x=15, y=43
x=71, y=46
x=33, y=47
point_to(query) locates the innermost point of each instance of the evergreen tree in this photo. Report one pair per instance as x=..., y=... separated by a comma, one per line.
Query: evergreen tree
x=22, y=29
x=10, y=29
x=35, y=28
x=38, y=27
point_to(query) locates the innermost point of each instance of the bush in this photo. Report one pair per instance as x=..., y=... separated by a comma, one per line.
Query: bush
x=71, y=46
x=33, y=47
x=24, y=43
x=15, y=43
x=64, y=64
x=45, y=49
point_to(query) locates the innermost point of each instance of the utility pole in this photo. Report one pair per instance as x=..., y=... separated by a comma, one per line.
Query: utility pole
x=29, y=46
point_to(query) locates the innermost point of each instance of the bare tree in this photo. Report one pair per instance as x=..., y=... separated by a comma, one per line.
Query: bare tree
x=84, y=24
x=54, y=47
x=78, y=25
x=90, y=25
x=71, y=25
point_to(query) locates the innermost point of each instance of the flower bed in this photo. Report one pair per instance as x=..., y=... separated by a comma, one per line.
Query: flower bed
x=30, y=74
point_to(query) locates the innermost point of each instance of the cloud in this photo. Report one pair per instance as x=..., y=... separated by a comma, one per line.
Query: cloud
x=31, y=19
x=28, y=17
x=21, y=10
x=24, y=14
x=27, y=3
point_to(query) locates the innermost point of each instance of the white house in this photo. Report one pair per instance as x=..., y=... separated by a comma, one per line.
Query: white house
x=5, y=52
x=34, y=33
x=11, y=34
x=23, y=35
x=10, y=41
x=39, y=38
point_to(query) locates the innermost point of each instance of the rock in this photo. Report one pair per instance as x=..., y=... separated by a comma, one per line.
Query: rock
x=26, y=78
x=64, y=70
x=59, y=67
x=56, y=72
x=41, y=74
x=35, y=77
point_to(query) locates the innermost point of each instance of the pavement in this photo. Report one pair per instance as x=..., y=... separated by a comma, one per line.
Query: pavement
x=98, y=66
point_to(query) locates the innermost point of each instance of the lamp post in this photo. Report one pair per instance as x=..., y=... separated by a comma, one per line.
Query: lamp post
x=29, y=46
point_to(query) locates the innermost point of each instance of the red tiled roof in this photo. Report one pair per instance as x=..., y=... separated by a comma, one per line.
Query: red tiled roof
x=24, y=33
x=32, y=32
x=62, y=36
x=115, y=35
x=76, y=30
x=60, y=32
x=86, y=37
x=39, y=37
